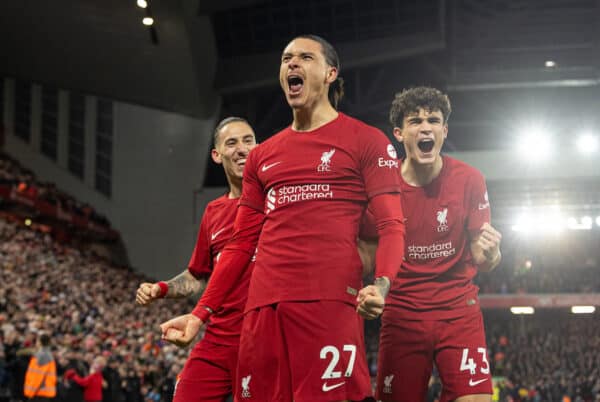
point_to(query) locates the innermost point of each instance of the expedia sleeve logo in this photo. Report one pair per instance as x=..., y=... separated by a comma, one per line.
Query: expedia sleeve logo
x=389, y=163
x=392, y=153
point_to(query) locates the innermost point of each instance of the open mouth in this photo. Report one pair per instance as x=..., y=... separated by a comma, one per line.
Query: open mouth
x=426, y=145
x=295, y=84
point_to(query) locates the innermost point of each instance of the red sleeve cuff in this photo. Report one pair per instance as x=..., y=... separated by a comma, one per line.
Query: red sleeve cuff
x=164, y=288
x=202, y=312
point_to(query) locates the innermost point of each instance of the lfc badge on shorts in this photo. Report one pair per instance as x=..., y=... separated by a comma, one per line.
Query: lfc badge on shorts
x=246, y=387
x=387, y=384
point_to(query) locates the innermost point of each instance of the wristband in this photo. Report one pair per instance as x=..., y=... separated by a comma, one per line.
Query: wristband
x=164, y=288
x=202, y=312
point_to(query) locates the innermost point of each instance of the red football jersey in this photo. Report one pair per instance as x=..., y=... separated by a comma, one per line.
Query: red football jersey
x=313, y=188
x=435, y=279
x=215, y=231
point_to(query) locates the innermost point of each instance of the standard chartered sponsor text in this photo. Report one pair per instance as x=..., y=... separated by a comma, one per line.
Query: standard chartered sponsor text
x=303, y=192
x=435, y=250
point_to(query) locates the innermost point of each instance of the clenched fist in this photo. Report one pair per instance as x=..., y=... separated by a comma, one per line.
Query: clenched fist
x=147, y=293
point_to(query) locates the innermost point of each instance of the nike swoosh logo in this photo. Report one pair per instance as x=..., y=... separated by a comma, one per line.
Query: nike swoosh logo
x=327, y=388
x=214, y=235
x=267, y=167
x=473, y=383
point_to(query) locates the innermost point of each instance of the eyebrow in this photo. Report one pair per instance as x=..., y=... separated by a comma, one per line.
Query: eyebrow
x=301, y=54
x=414, y=118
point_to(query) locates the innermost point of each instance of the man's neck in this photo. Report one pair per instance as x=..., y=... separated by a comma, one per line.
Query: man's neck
x=312, y=117
x=235, y=188
x=421, y=175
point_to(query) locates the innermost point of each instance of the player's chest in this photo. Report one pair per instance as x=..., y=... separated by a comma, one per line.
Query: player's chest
x=433, y=216
x=221, y=229
x=308, y=162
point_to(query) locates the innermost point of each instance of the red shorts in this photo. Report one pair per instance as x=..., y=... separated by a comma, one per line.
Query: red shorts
x=407, y=350
x=208, y=374
x=302, y=351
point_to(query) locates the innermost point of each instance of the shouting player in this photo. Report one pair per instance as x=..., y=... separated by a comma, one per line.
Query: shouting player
x=304, y=192
x=432, y=313
x=209, y=373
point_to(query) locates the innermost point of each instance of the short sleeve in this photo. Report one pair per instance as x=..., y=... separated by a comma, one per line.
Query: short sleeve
x=200, y=265
x=379, y=164
x=478, y=205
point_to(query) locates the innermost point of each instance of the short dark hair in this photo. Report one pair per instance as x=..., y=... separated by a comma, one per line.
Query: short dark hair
x=223, y=123
x=45, y=340
x=336, y=89
x=411, y=100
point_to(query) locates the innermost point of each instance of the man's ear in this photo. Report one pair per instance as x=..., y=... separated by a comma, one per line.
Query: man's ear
x=332, y=74
x=398, y=134
x=216, y=156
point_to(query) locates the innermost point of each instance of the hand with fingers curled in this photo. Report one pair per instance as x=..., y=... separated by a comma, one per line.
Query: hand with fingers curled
x=489, y=242
x=182, y=330
x=147, y=292
x=371, y=299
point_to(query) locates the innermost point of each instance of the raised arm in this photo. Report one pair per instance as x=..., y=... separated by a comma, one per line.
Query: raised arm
x=188, y=282
x=484, y=238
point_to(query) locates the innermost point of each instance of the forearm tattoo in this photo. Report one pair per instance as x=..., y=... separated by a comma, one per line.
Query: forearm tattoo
x=184, y=285
x=383, y=284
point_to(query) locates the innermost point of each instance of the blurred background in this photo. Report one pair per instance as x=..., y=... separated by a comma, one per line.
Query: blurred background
x=106, y=118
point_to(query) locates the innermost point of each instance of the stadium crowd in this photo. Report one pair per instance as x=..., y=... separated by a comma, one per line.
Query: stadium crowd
x=567, y=264
x=87, y=307
x=14, y=175
x=546, y=357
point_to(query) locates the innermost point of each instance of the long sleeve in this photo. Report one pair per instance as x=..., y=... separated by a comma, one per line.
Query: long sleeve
x=389, y=221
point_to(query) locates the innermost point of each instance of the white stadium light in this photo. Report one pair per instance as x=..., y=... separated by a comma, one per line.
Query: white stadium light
x=522, y=310
x=148, y=21
x=550, y=63
x=535, y=144
x=142, y=3
x=587, y=144
x=523, y=224
x=583, y=309
x=548, y=221
x=586, y=222
x=598, y=220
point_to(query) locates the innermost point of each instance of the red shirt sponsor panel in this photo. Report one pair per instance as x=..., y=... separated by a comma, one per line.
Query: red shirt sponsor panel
x=215, y=231
x=435, y=280
x=313, y=188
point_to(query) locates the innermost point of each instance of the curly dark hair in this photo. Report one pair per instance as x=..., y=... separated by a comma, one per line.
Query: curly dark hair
x=411, y=100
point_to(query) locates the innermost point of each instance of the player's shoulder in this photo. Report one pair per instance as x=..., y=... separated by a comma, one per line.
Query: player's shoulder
x=461, y=168
x=219, y=202
x=359, y=126
x=271, y=144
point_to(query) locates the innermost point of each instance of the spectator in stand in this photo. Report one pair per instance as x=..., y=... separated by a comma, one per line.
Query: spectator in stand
x=92, y=384
x=40, y=378
x=113, y=391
